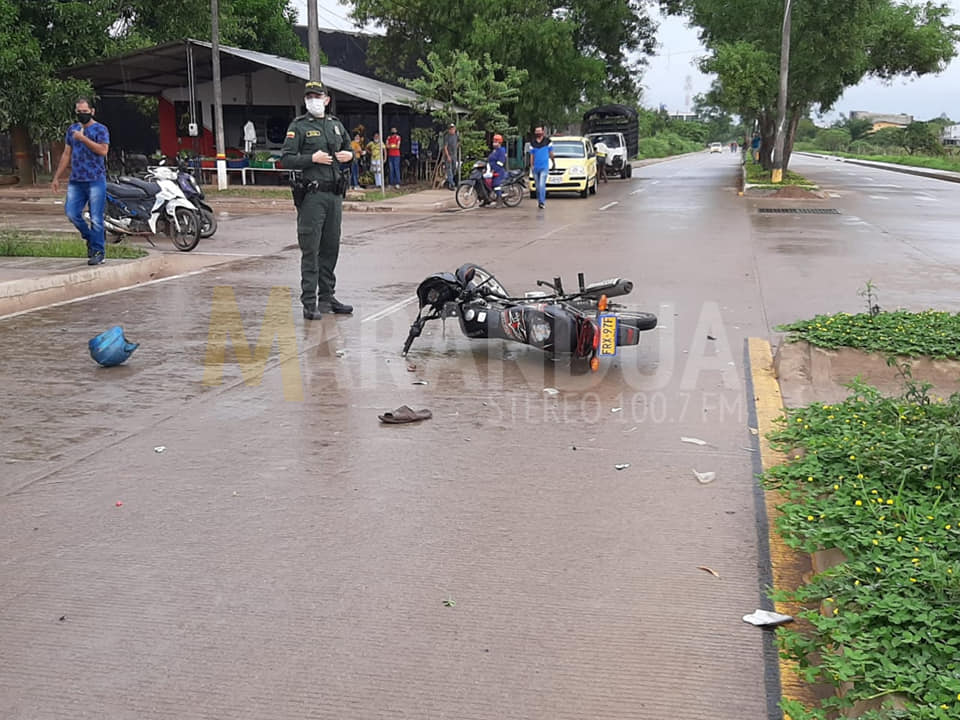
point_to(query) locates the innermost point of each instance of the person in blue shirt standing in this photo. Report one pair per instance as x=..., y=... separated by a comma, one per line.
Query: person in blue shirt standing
x=497, y=160
x=87, y=144
x=541, y=160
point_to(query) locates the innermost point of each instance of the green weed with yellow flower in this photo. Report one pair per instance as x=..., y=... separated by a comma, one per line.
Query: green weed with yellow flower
x=877, y=478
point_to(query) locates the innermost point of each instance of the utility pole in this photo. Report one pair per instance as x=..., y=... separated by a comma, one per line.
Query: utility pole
x=777, y=175
x=313, y=39
x=218, y=96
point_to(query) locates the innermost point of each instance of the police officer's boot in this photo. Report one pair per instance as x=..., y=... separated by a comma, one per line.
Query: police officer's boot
x=332, y=305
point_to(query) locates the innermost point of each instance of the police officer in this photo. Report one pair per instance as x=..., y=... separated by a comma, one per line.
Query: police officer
x=316, y=144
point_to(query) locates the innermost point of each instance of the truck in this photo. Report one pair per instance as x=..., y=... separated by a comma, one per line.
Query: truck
x=617, y=126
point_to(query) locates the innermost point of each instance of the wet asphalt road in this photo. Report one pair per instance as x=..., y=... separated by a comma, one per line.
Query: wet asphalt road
x=287, y=556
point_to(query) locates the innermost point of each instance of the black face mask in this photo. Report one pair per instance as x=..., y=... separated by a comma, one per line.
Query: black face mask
x=84, y=117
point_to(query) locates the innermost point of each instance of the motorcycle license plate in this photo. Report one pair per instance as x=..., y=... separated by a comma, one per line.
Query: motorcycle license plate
x=608, y=335
x=554, y=179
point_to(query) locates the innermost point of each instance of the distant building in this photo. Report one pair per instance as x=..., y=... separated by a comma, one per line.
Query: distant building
x=882, y=120
x=951, y=135
x=684, y=116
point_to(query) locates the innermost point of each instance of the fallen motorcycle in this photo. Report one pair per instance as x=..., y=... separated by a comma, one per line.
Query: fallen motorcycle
x=478, y=188
x=582, y=326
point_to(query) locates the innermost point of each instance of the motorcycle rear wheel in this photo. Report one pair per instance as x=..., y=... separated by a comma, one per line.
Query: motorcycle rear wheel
x=186, y=238
x=208, y=223
x=512, y=195
x=466, y=195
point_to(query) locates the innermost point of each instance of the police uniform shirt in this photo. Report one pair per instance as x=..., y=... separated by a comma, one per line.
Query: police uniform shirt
x=305, y=136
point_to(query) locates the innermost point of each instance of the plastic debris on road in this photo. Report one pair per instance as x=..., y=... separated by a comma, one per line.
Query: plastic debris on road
x=693, y=441
x=159, y=448
x=551, y=391
x=705, y=477
x=766, y=618
x=621, y=466
x=709, y=570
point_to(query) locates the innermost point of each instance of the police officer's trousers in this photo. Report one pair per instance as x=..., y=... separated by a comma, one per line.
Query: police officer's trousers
x=318, y=232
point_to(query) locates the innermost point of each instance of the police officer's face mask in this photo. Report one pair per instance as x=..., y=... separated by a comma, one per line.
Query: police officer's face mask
x=316, y=106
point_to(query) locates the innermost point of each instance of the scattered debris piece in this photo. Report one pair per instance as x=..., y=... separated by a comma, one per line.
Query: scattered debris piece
x=748, y=449
x=551, y=391
x=754, y=431
x=622, y=466
x=119, y=503
x=235, y=493
x=160, y=448
x=449, y=602
x=693, y=441
x=63, y=618
x=705, y=477
x=710, y=337
x=709, y=570
x=419, y=382
x=404, y=414
x=411, y=368
x=766, y=618
x=631, y=429
x=574, y=447
x=616, y=410
x=341, y=353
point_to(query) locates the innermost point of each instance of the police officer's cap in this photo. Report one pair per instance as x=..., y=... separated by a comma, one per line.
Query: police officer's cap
x=314, y=87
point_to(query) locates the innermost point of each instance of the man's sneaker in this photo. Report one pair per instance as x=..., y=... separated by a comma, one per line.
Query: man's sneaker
x=540, y=205
x=96, y=258
x=332, y=305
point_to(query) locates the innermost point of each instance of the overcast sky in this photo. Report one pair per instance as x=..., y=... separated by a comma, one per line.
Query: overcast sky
x=673, y=79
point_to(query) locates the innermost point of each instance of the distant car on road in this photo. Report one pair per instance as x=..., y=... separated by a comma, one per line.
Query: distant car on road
x=716, y=147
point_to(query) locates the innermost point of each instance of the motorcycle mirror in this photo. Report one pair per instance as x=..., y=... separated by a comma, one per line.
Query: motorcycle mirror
x=469, y=275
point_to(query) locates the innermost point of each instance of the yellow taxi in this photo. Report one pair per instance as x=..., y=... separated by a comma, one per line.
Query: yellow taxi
x=575, y=168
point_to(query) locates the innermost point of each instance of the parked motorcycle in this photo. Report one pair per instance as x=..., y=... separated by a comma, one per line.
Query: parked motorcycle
x=148, y=207
x=184, y=177
x=583, y=325
x=479, y=189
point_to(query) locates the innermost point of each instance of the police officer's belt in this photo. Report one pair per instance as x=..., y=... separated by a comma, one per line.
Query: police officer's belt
x=320, y=186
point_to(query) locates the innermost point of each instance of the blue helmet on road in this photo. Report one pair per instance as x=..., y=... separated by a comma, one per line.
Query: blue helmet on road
x=111, y=347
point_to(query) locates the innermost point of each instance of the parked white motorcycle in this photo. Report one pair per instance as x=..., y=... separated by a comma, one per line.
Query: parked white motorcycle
x=148, y=207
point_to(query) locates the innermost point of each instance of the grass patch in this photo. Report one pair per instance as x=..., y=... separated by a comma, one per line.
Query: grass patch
x=932, y=333
x=923, y=161
x=878, y=479
x=375, y=194
x=756, y=175
x=18, y=244
x=253, y=193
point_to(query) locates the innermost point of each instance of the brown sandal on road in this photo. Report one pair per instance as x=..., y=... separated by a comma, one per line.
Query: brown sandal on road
x=404, y=414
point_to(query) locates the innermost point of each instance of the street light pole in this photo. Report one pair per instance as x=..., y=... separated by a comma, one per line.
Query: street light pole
x=218, y=96
x=313, y=39
x=777, y=175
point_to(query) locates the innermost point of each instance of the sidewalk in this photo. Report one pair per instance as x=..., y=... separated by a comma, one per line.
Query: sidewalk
x=40, y=198
x=947, y=175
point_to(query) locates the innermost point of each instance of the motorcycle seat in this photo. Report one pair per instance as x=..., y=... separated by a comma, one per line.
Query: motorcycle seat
x=151, y=188
x=125, y=191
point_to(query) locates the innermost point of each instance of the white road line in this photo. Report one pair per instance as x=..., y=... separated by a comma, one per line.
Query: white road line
x=111, y=292
x=610, y=205
x=390, y=310
x=928, y=198
x=638, y=191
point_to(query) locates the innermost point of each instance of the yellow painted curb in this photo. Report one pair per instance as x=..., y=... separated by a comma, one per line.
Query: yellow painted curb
x=787, y=564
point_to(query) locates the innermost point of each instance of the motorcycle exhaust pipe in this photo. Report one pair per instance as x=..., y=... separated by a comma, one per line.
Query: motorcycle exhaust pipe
x=610, y=288
x=110, y=224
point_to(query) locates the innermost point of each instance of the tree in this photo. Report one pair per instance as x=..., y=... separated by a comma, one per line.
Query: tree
x=922, y=139
x=39, y=38
x=834, y=45
x=457, y=80
x=573, y=50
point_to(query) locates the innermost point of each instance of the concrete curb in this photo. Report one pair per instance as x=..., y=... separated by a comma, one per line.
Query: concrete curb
x=905, y=169
x=23, y=294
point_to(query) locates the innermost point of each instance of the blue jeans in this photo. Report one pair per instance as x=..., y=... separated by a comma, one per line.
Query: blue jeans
x=394, y=170
x=79, y=194
x=452, y=173
x=540, y=175
x=354, y=174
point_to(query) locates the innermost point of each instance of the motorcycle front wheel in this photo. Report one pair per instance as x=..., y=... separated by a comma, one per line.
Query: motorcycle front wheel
x=512, y=195
x=466, y=195
x=187, y=236
x=208, y=223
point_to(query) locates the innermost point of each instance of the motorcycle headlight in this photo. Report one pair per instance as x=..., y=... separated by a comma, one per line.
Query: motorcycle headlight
x=578, y=170
x=540, y=332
